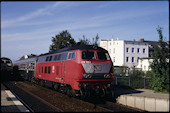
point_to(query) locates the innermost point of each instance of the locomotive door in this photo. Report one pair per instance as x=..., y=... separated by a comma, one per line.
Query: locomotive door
x=62, y=71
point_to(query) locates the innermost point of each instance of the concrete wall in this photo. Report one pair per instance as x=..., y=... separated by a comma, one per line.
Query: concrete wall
x=144, y=103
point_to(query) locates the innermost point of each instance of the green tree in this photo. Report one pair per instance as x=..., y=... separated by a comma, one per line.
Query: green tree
x=95, y=40
x=136, y=78
x=61, y=40
x=160, y=65
x=86, y=41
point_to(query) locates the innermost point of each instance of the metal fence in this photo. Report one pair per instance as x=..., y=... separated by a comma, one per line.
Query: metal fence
x=132, y=82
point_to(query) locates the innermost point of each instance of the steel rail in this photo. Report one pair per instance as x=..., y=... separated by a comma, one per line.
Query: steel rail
x=42, y=100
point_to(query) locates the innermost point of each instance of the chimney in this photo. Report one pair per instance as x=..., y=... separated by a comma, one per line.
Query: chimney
x=141, y=40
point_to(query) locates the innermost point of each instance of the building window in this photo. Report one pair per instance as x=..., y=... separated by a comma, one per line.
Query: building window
x=127, y=49
x=138, y=59
x=113, y=50
x=132, y=59
x=113, y=59
x=132, y=50
x=138, y=50
x=144, y=67
x=127, y=59
x=144, y=50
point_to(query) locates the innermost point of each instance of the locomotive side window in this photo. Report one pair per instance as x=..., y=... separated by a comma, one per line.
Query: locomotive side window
x=71, y=56
x=45, y=69
x=42, y=69
x=47, y=58
x=63, y=56
x=59, y=56
x=50, y=58
x=88, y=55
x=49, y=70
x=55, y=57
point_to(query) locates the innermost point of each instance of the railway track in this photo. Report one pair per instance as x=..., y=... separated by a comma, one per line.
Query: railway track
x=30, y=101
x=58, y=102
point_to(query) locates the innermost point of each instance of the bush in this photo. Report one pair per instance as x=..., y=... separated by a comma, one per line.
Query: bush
x=136, y=79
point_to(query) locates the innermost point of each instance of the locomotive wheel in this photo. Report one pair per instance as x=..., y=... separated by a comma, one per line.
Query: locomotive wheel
x=110, y=92
x=103, y=93
x=37, y=81
x=56, y=86
x=42, y=83
x=84, y=94
x=70, y=92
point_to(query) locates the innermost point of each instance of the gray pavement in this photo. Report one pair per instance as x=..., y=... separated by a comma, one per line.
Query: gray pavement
x=140, y=92
x=9, y=103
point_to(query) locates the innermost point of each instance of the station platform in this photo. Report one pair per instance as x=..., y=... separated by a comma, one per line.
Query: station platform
x=9, y=102
x=143, y=99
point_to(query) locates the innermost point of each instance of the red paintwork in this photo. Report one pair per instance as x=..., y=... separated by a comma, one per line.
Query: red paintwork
x=70, y=71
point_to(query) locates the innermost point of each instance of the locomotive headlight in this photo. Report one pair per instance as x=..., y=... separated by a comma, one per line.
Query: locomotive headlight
x=107, y=76
x=86, y=76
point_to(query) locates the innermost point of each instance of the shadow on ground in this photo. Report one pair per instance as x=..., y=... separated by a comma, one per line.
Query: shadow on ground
x=124, y=90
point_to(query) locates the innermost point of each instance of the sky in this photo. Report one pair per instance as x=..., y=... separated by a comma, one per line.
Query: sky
x=28, y=27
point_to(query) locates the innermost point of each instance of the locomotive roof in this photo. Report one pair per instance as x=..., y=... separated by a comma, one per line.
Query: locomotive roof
x=77, y=47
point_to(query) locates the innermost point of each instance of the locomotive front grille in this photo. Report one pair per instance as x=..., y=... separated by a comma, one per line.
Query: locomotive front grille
x=96, y=76
x=96, y=68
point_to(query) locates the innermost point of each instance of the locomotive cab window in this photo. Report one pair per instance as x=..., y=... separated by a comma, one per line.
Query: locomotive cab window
x=88, y=55
x=103, y=56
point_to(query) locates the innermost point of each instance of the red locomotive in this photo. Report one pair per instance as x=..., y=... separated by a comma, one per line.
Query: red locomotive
x=78, y=70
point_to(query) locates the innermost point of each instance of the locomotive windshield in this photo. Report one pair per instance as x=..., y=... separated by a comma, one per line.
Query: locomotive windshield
x=88, y=55
x=103, y=56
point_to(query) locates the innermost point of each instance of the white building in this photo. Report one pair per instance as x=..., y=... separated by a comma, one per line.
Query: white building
x=144, y=64
x=125, y=53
